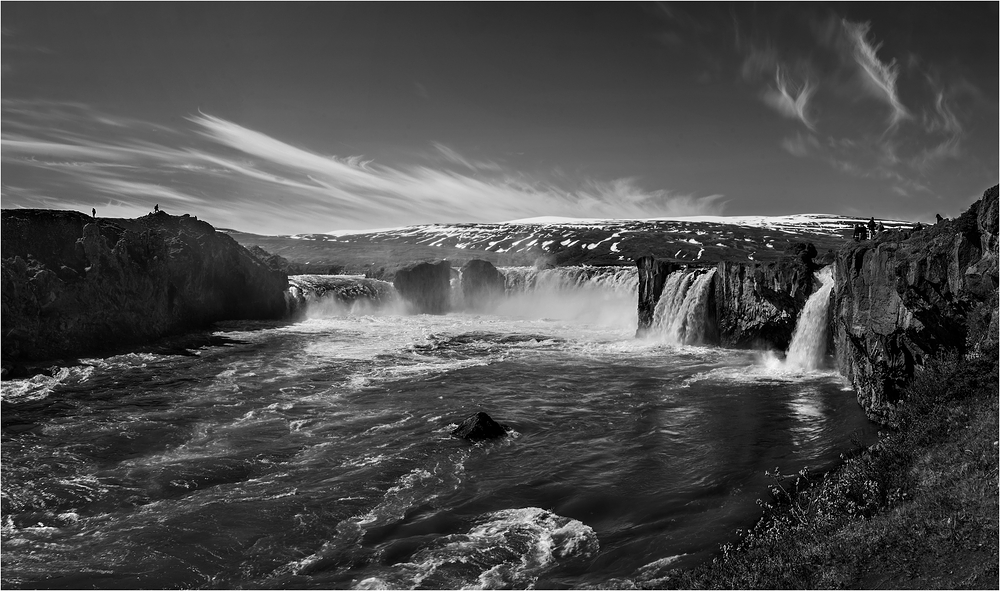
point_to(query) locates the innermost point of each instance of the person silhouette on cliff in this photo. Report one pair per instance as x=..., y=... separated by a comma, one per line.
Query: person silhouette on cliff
x=93, y=212
x=156, y=208
x=860, y=233
x=871, y=227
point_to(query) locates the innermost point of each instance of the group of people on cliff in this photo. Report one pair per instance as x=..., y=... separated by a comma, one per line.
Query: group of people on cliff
x=869, y=231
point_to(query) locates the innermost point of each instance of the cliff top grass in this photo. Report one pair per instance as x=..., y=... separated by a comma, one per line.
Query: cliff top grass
x=918, y=510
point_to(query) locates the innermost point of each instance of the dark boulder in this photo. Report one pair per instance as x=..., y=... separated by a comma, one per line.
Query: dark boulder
x=426, y=287
x=483, y=286
x=479, y=426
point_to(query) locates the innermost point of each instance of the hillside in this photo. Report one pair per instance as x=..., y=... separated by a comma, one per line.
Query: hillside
x=564, y=242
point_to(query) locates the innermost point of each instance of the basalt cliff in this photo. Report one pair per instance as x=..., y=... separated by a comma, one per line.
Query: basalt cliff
x=897, y=299
x=749, y=304
x=73, y=285
x=900, y=299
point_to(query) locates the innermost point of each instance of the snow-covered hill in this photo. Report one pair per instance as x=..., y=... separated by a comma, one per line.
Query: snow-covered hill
x=568, y=241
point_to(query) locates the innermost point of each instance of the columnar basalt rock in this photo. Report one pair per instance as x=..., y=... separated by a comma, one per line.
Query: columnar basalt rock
x=900, y=300
x=73, y=285
x=756, y=305
x=426, y=287
x=750, y=305
x=482, y=285
x=652, y=276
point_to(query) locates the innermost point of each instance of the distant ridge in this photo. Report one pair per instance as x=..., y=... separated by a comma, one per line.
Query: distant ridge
x=804, y=220
x=565, y=241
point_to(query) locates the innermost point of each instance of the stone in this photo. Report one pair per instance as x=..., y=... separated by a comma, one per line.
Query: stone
x=478, y=427
x=426, y=287
x=483, y=286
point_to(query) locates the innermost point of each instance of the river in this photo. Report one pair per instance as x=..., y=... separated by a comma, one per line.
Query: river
x=318, y=454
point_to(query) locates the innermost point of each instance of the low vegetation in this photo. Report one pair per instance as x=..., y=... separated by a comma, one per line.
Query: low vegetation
x=919, y=509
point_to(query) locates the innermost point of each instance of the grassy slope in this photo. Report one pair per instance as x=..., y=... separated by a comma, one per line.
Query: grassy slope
x=918, y=510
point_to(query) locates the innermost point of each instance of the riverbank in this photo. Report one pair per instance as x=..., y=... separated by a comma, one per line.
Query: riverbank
x=917, y=510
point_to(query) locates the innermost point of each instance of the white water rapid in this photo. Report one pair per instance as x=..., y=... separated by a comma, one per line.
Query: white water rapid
x=680, y=317
x=808, y=345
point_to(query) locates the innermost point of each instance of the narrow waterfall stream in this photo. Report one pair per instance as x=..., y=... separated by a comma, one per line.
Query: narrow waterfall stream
x=808, y=346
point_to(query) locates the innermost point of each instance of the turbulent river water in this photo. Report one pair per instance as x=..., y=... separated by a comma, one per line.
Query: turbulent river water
x=318, y=454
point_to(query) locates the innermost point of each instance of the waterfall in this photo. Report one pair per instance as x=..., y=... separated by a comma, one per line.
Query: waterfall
x=335, y=295
x=809, y=340
x=603, y=296
x=681, y=314
x=618, y=280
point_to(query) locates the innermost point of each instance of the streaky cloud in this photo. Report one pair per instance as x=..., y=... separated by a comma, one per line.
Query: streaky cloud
x=880, y=77
x=425, y=193
x=790, y=99
x=69, y=155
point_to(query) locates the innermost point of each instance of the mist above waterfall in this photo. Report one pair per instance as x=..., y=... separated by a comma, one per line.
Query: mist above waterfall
x=600, y=296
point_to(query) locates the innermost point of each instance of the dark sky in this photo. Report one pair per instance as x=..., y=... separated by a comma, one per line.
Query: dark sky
x=283, y=118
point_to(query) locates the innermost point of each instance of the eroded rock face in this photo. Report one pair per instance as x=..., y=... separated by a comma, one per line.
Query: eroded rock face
x=756, y=304
x=750, y=305
x=74, y=285
x=652, y=276
x=898, y=301
x=483, y=286
x=426, y=287
x=478, y=427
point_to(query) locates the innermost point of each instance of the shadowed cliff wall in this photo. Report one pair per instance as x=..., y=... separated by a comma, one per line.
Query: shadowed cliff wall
x=73, y=285
x=751, y=304
x=900, y=299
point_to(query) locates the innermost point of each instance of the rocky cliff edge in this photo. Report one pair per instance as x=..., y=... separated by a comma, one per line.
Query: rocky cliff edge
x=901, y=299
x=74, y=285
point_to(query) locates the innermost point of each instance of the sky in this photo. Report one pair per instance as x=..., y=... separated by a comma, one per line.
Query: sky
x=280, y=118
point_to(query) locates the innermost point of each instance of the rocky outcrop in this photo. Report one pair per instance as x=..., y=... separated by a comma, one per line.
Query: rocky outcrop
x=482, y=285
x=756, y=305
x=900, y=300
x=426, y=287
x=478, y=427
x=652, y=276
x=750, y=305
x=74, y=285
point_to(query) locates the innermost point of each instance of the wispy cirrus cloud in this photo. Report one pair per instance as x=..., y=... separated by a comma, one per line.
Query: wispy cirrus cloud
x=826, y=72
x=236, y=176
x=879, y=77
x=789, y=98
x=787, y=85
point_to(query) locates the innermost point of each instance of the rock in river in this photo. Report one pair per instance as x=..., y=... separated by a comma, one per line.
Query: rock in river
x=479, y=426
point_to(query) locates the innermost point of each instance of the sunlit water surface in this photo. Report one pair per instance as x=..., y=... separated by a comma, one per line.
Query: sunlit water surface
x=319, y=455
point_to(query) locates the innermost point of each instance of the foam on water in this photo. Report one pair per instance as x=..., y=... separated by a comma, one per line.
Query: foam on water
x=505, y=549
x=39, y=386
